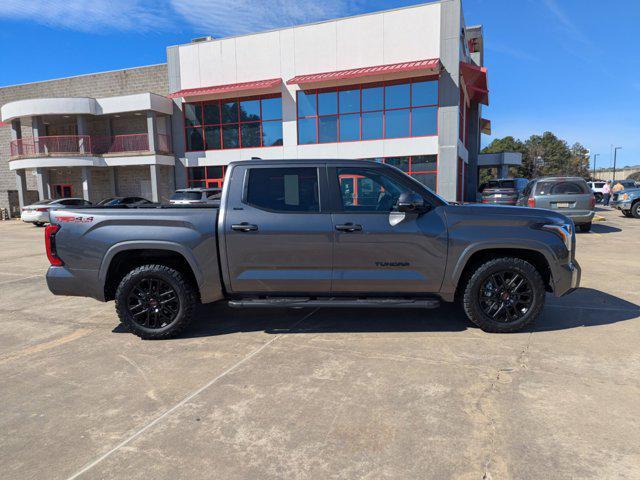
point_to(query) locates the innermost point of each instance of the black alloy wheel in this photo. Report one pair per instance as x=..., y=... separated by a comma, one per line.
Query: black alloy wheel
x=506, y=296
x=153, y=303
x=503, y=295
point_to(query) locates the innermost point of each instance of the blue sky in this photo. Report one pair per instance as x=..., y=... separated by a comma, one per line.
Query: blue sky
x=568, y=66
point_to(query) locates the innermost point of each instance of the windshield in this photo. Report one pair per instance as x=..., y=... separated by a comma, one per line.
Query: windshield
x=186, y=196
x=562, y=187
x=43, y=202
x=108, y=201
x=501, y=184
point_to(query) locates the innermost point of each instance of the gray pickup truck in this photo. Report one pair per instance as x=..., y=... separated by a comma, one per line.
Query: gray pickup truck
x=313, y=233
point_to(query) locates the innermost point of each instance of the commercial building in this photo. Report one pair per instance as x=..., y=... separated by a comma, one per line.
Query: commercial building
x=90, y=136
x=403, y=86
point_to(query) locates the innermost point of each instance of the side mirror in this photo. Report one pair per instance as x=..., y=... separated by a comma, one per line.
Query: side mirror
x=410, y=202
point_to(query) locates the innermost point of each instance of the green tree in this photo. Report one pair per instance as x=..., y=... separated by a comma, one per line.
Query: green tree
x=554, y=154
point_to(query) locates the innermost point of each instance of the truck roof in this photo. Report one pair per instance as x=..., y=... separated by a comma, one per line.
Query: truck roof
x=310, y=161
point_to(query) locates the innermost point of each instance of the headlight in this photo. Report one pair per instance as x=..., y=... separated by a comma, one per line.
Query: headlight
x=564, y=231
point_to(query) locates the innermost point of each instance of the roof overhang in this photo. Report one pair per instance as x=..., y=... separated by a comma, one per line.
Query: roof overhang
x=485, y=126
x=86, y=106
x=271, y=85
x=426, y=67
x=475, y=80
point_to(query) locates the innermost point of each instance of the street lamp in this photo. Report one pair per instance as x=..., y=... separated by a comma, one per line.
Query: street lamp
x=595, y=157
x=615, y=153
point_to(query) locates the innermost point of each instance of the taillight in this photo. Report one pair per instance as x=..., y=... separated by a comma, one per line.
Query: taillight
x=42, y=209
x=531, y=202
x=592, y=201
x=50, y=245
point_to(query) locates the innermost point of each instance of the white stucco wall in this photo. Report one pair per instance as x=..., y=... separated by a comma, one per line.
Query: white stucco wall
x=394, y=36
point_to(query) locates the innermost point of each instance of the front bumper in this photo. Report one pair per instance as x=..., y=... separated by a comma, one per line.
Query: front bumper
x=566, y=279
x=622, y=205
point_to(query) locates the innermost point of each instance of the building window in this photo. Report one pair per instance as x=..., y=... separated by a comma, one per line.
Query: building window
x=398, y=109
x=233, y=123
x=206, y=177
x=423, y=168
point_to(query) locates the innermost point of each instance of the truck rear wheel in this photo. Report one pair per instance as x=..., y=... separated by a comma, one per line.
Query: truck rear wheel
x=155, y=301
x=504, y=295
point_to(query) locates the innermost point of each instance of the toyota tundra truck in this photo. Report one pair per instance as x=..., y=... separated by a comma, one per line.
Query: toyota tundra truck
x=313, y=233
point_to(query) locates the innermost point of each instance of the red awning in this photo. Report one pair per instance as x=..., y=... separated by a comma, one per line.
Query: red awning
x=485, y=126
x=258, y=85
x=475, y=79
x=432, y=65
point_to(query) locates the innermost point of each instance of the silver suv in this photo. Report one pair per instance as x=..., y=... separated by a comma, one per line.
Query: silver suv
x=570, y=196
x=196, y=196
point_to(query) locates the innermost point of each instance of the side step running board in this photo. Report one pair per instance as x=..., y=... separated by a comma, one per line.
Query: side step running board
x=335, y=302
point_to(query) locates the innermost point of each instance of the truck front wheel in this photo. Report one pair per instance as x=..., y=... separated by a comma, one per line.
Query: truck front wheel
x=155, y=301
x=504, y=295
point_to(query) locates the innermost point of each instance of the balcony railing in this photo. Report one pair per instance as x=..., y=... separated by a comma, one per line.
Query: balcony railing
x=86, y=145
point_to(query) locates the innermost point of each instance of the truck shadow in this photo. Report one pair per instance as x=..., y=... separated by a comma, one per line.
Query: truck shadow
x=584, y=308
x=601, y=228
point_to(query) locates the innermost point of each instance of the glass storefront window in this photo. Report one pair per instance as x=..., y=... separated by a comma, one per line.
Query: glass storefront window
x=234, y=123
x=368, y=112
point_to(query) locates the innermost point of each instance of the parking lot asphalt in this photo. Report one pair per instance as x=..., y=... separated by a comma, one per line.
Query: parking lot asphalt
x=311, y=394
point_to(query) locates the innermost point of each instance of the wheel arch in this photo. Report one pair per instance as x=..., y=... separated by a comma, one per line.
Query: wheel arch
x=468, y=263
x=124, y=257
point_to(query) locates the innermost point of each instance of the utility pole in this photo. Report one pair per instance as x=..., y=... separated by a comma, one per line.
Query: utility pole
x=615, y=154
x=595, y=157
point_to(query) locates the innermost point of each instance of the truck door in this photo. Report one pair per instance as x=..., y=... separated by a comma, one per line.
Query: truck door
x=374, y=254
x=278, y=236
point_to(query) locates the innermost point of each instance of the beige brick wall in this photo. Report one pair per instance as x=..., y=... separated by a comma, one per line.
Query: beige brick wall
x=120, y=82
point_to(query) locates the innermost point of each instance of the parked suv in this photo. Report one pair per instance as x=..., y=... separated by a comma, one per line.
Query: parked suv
x=570, y=196
x=38, y=213
x=627, y=201
x=194, y=196
x=502, y=191
x=597, y=188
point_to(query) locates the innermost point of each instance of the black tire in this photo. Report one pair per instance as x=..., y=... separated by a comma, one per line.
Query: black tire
x=627, y=213
x=526, y=306
x=599, y=197
x=155, y=302
x=635, y=210
x=585, y=227
x=38, y=224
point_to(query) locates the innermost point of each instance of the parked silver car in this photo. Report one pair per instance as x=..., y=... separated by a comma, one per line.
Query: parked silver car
x=196, y=196
x=570, y=196
x=38, y=213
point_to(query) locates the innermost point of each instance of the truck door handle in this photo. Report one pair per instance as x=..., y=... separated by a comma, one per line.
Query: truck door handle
x=349, y=227
x=244, y=227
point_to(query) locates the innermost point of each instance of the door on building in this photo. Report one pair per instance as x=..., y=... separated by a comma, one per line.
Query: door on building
x=62, y=190
x=370, y=253
x=278, y=236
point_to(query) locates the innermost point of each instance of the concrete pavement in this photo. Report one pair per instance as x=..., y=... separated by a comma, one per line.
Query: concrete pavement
x=329, y=393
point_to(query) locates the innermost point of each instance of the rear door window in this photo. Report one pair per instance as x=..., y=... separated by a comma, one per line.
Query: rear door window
x=562, y=187
x=283, y=189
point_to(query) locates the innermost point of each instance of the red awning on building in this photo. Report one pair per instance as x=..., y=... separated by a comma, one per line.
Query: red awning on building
x=257, y=86
x=485, y=126
x=475, y=79
x=428, y=66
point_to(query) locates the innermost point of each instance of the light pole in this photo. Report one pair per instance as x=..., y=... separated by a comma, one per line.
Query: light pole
x=615, y=153
x=595, y=157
